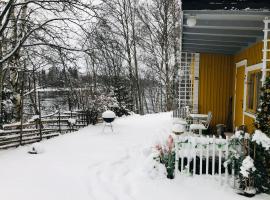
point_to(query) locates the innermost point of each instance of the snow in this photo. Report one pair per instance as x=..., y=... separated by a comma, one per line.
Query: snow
x=33, y=118
x=247, y=166
x=261, y=139
x=108, y=114
x=92, y=165
x=197, y=127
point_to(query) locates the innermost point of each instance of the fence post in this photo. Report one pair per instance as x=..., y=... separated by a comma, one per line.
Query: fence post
x=219, y=159
x=213, y=155
x=201, y=154
x=59, y=120
x=194, y=160
x=182, y=158
x=207, y=155
x=188, y=157
x=226, y=158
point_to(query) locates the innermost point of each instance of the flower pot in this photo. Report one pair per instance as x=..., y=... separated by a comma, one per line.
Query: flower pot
x=249, y=192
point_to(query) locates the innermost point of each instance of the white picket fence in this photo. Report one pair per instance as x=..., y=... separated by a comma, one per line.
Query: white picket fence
x=190, y=148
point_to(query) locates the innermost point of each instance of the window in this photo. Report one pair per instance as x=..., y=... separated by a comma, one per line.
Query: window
x=253, y=90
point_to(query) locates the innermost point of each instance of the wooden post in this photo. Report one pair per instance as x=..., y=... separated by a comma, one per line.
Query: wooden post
x=71, y=125
x=59, y=120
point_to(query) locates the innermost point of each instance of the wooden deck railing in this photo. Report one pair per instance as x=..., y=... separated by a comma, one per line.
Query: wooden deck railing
x=42, y=127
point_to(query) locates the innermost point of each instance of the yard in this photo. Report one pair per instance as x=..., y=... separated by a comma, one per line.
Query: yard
x=90, y=164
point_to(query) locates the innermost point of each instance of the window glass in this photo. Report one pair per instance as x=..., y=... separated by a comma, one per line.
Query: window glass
x=253, y=90
x=258, y=88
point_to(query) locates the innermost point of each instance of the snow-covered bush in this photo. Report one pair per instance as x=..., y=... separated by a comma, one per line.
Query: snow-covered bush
x=96, y=104
x=72, y=121
x=247, y=167
x=249, y=155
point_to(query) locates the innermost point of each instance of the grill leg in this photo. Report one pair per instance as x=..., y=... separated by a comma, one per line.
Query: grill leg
x=107, y=124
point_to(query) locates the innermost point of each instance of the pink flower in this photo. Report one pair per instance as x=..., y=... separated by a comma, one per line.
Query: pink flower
x=170, y=143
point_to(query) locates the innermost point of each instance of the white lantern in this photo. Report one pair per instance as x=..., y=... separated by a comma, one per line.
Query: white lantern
x=191, y=21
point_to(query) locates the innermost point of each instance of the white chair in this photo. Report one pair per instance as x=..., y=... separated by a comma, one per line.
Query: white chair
x=202, y=125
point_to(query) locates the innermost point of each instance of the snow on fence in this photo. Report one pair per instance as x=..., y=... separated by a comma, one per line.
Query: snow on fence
x=203, y=155
x=42, y=127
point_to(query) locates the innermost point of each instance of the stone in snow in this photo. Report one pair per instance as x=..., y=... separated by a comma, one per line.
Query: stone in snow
x=36, y=148
x=108, y=114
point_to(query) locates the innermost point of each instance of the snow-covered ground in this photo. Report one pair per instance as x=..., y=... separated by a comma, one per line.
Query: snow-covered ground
x=92, y=165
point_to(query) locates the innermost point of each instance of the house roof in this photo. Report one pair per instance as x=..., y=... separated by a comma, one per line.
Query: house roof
x=222, y=31
x=225, y=4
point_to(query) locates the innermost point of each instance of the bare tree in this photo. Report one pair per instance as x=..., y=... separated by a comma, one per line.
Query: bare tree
x=161, y=35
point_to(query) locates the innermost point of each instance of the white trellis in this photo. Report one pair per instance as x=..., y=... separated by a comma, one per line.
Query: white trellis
x=190, y=149
x=189, y=80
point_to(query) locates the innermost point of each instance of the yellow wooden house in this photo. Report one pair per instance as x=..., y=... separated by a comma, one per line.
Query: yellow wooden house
x=227, y=53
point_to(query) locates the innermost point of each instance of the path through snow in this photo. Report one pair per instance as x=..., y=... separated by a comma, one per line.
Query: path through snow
x=91, y=165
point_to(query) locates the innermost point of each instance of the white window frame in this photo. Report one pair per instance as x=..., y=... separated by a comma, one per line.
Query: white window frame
x=248, y=69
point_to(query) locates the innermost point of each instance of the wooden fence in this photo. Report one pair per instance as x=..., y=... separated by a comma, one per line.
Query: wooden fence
x=42, y=127
x=203, y=156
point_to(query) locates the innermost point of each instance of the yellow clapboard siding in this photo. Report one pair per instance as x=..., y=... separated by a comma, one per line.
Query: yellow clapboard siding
x=217, y=81
x=216, y=78
x=253, y=54
x=249, y=122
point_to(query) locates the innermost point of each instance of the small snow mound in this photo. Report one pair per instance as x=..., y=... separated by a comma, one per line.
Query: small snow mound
x=36, y=148
x=154, y=169
x=108, y=114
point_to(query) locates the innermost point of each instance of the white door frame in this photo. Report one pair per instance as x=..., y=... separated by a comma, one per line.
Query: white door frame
x=237, y=65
